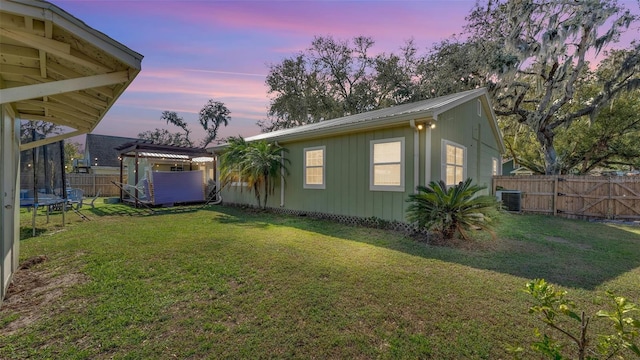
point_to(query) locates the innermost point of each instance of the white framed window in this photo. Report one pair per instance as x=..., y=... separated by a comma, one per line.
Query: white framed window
x=454, y=163
x=495, y=166
x=314, y=167
x=387, y=165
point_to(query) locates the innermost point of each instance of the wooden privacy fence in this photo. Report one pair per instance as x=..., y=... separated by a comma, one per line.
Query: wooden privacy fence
x=572, y=196
x=90, y=184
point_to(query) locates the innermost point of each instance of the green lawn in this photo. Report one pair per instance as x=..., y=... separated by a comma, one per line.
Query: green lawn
x=223, y=283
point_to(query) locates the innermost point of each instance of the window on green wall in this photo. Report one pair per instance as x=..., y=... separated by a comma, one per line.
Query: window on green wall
x=387, y=165
x=454, y=162
x=314, y=167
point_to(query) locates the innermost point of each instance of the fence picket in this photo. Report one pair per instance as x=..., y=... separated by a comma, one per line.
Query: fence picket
x=573, y=196
x=91, y=184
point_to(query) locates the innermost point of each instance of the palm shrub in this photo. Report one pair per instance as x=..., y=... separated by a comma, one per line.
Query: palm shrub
x=257, y=163
x=230, y=160
x=456, y=209
x=263, y=163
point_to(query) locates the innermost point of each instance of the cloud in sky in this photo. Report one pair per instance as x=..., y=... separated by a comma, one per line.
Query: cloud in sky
x=198, y=50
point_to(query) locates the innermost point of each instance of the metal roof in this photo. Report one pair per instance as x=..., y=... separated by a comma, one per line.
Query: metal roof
x=145, y=149
x=163, y=155
x=57, y=69
x=425, y=109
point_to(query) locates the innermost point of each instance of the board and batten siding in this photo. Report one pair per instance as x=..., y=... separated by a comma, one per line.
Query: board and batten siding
x=348, y=160
x=463, y=126
x=347, y=176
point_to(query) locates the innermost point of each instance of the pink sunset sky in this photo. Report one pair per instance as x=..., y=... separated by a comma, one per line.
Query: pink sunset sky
x=208, y=49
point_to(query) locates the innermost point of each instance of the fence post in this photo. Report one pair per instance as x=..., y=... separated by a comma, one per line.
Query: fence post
x=94, y=184
x=610, y=211
x=555, y=195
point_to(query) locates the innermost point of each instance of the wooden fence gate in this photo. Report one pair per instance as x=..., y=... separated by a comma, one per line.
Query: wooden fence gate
x=589, y=197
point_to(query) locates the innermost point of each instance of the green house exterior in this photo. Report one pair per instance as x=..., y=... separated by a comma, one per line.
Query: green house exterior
x=366, y=165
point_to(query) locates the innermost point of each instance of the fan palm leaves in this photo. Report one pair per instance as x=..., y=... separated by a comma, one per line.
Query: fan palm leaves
x=257, y=163
x=452, y=210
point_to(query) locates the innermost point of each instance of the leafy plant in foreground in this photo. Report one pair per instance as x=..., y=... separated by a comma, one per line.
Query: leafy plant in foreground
x=555, y=309
x=454, y=209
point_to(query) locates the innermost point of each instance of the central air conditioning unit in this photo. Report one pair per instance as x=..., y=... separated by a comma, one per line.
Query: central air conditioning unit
x=510, y=199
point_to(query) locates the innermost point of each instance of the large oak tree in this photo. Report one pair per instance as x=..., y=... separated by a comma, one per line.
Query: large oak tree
x=537, y=52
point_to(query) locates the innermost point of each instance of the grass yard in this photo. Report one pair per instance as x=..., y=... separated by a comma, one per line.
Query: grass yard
x=221, y=283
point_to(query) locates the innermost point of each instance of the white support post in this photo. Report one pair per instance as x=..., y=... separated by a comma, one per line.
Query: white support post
x=427, y=156
x=10, y=205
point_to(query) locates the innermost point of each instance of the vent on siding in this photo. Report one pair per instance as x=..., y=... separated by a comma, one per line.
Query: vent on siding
x=511, y=199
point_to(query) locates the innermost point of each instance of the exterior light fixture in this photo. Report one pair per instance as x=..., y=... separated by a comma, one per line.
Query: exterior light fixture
x=420, y=126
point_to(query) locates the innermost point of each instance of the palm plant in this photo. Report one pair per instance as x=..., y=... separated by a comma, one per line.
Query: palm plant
x=258, y=163
x=454, y=209
x=230, y=160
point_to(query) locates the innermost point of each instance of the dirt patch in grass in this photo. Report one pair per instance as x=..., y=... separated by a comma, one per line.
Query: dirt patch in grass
x=31, y=294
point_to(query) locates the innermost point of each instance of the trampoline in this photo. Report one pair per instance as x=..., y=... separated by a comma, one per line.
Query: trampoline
x=42, y=182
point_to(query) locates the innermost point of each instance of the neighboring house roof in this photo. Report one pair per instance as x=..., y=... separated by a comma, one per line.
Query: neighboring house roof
x=103, y=147
x=57, y=69
x=425, y=109
x=521, y=171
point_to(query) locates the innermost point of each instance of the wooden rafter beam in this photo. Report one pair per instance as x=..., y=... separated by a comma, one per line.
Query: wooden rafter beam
x=36, y=41
x=67, y=73
x=84, y=98
x=63, y=120
x=65, y=112
x=34, y=144
x=53, y=47
x=18, y=51
x=60, y=87
x=19, y=70
x=83, y=108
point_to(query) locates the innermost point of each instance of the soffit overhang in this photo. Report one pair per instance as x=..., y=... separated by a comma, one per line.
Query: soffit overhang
x=55, y=68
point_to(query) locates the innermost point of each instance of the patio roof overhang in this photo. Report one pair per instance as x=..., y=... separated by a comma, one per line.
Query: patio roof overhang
x=145, y=149
x=55, y=68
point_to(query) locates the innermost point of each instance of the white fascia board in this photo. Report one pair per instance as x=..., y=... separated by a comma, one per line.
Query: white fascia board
x=372, y=124
x=494, y=125
x=62, y=86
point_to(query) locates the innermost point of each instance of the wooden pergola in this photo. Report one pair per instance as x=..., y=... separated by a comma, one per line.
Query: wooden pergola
x=146, y=150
